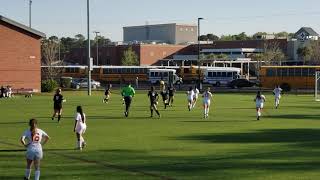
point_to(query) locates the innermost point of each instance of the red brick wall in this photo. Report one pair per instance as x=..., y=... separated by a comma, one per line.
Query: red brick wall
x=151, y=54
x=19, y=58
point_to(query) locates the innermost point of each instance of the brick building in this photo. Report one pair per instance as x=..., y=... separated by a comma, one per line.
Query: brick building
x=20, y=55
x=148, y=54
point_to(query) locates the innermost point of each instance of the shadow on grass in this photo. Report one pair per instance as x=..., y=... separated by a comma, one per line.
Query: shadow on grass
x=295, y=116
x=299, y=136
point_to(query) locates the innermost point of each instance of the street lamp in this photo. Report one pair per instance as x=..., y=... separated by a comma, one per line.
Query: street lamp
x=97, y=42
x=199, y=76
x=30, y=3
x=89, y=48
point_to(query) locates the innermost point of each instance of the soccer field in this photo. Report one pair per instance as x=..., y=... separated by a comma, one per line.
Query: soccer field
x=230, y=144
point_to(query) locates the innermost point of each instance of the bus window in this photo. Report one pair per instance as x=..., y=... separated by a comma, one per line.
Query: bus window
x=152, y=74
x=304, y=72
x=214, y=74
x=156, y=74
x=218, y=74
x=271, y=72
x=291, y=72
x=223, y=74
x=209, y=74
x=229, y=74
x=284, y=71
x=165, y=74
x=312, y=72
x=297, y=72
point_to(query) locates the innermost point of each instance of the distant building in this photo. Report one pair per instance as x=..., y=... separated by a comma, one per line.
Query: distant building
x=161, y=33
x=306, y=33
x=20, y=55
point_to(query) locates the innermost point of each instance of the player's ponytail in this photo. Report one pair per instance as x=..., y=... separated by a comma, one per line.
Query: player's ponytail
x=33, y=125
x=79, y=110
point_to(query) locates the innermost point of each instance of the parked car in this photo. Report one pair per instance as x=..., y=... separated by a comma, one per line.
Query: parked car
x=83, y=83
x=239, y=83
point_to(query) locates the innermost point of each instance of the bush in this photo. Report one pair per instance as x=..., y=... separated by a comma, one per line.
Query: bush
x=65, y=82
x=48, y=85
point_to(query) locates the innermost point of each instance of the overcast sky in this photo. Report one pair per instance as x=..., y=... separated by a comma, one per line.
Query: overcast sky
x=68, y=17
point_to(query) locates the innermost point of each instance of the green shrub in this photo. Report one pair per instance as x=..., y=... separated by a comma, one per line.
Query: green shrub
x=65, y=82
x=48, y=85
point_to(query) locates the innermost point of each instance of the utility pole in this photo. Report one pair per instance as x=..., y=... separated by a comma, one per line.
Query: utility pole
x=97, y=42
x=30, y=3
x=89, y=48
x=199, y=69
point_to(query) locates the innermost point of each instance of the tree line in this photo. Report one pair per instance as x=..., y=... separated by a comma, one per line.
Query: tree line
x=243, y=36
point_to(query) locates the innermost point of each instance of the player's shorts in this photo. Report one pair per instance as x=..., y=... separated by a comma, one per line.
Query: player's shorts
x=259, y=105
x=81, y=128
x=195, y=97
x=277, y=97
x=206, y=102
x=57, y=106
x=34, y=154
x=190, y=99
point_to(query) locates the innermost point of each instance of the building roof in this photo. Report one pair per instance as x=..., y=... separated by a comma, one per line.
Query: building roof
x=21, y=26
x=174, y=24
x=309, y=30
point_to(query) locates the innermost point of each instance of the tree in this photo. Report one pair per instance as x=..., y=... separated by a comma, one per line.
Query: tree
x=130, y=58
x=315, y=51
x=79, y=41
x=49, y=52
x=305, y=54
x=212, y=37
x=272, y=54
x=203, y=38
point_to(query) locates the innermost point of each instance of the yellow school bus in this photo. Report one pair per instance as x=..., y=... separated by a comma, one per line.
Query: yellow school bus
x=295, y=77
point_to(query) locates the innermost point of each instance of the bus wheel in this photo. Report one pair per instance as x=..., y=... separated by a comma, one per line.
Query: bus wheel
x=218, y=84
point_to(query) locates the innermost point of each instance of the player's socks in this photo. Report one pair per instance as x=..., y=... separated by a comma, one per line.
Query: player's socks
x=27, y=174
x=158, y=113
x=79, y=145
x=37, y=175
x=59, y=117
x=151, y=110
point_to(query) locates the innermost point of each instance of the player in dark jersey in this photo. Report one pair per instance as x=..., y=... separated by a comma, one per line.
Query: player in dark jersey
x=171, y=91
x=165, y=97
x=154, y=97
x=57, y=104
x=107, y=94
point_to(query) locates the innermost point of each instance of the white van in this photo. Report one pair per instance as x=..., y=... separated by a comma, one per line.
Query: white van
x=169, y=76
x=220, y=75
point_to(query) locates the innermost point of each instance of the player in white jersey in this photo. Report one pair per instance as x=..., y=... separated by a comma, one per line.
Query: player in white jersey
x=277, y=95
x=260, y=99
x=33, y=139
x=207, y=95
x=195, y=96
x=190, y=95
x=80, y=127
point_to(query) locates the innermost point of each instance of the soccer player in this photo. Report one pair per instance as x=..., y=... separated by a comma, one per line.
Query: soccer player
x=165, y=97
x=277, y=95
x=35, y=139
x=80, y=127
x=162, y=85
x=127, y=93
x=260, y=99
x=154, y=97
x=190, y=95
x=57, y=104
x=207, y=95
x=195, y=96
x=107, y=94
x=171, y=91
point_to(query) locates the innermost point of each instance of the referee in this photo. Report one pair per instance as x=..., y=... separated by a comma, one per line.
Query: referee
x=127, y=93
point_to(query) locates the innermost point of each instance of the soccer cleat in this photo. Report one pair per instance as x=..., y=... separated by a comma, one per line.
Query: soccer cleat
x=26, y=178
x=258, y=118
x=84, y=144
x=52, y=118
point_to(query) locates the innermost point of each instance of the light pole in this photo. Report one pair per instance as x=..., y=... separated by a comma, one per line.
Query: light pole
x=30, y=3
x=97, y=42
x=89, y=49
x=199, y=73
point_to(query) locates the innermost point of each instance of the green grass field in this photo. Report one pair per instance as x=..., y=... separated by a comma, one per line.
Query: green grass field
x=230, y=144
